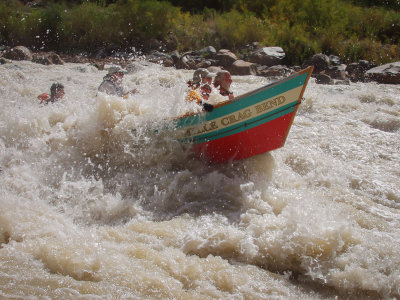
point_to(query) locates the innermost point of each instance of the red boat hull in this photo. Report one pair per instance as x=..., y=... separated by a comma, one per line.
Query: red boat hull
x=260, y=139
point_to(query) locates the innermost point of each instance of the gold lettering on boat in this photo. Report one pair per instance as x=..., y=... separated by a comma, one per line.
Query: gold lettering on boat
x=206, y=127
x=270, y=104
x=236, y=117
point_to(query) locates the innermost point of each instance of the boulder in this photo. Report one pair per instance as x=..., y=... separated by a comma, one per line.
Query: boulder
x=241, y=67
x=268, y=56
x=275, y=71
x=176, y=57
x=152, y=44
x=356, y=71
x=249, y=48
x=207, y=52
x=135, y=66
x=387, y=74
x=319, y=61
x=55, y=59
x=18, y=53
x=47, y=59
x=214, y=69
x=100, y=53
x=203, y=64
x=160, y=58
x=334, y=60
x=225, y=58
x=323, y=79
x=182, y=63
x=342, y=82
x=76, y=59
x=336, y=72
x=189, y=60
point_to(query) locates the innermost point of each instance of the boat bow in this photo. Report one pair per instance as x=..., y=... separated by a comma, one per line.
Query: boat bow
x=248, y=125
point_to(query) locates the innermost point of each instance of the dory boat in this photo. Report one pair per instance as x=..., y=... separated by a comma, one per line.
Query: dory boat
x=248, y=125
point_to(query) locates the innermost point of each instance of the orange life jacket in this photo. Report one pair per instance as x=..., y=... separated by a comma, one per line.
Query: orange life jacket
x=193, y=93
x=45, y=97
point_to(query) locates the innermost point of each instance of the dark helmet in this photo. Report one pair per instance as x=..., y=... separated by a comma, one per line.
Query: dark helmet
x=56, y=87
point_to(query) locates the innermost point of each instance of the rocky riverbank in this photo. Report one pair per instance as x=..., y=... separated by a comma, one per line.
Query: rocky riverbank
x=253, y=60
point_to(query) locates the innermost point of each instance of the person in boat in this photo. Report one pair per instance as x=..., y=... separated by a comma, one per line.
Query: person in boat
x=222, y=82
x=200, y=88
x=56, y=93
x=112, y=83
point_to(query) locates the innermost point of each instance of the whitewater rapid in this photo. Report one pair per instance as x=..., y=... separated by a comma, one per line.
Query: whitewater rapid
x=98, y=201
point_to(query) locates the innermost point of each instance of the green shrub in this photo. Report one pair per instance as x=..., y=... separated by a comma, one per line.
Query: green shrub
x=88, y=27
x=237, y=29
x=298, y=45
x=300, y=27
x=354, y=50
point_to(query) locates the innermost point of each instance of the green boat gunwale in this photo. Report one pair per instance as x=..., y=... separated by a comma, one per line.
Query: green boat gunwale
x=254, y=122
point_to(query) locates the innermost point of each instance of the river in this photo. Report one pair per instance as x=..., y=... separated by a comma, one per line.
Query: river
x=96, y=202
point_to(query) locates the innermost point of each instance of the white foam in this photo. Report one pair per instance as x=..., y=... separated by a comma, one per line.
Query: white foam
x=98, y=201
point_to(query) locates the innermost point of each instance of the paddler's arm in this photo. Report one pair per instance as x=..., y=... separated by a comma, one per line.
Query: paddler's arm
x=44, y=98
x=131, y=92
